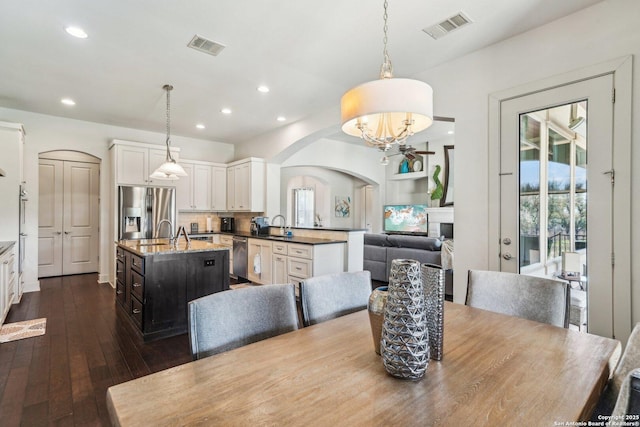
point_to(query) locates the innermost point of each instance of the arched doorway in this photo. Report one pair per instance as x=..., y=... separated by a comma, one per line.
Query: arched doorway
x=68, y=213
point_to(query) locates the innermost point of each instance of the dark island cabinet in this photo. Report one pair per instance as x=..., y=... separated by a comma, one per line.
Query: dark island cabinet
x=155, y=290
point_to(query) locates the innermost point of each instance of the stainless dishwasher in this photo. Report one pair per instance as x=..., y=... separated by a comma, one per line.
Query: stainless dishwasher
x=240, y=258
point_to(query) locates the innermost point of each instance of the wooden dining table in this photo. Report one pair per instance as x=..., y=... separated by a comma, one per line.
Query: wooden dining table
x=497, y=370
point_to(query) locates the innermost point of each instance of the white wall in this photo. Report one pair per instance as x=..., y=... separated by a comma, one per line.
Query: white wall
x=328, y=184
x=356, y=160
x=603, y=32
x=46, y=133
x=462, y=87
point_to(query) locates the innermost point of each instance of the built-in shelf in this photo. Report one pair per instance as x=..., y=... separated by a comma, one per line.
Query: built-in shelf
x=409, y=175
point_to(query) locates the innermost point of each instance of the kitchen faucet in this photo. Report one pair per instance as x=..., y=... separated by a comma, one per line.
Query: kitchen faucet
x=155, y=235
x=283, y=224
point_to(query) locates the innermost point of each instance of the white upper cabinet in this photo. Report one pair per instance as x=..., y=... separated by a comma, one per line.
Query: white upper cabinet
x=135, y=161
x=193, y=192
x=246, y=185
x=204, y=189
x=219, y=188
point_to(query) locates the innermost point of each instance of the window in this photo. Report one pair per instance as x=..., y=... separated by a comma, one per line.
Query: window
x=553, y=187
x=303, y=206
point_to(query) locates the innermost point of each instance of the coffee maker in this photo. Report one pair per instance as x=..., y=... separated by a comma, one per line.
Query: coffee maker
x=227, y=224
x=259, y=226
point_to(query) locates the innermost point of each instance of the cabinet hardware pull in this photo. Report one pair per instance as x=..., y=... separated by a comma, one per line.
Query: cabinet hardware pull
x=136, y=311
x=136, y=285
x=119, y=292
x=298, y=268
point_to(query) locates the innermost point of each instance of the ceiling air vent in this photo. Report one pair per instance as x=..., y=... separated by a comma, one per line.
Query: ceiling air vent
x=205, y=45
x=448, y=25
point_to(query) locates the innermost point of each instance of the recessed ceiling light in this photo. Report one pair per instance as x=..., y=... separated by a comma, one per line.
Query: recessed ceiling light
x=76, y=32
x=200, y=126
x=281, y=118
x=263, y=89
x=226, y=111
x=68, y=101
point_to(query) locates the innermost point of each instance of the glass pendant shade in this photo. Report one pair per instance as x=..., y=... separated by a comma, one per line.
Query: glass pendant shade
x=387, y=111
x=169, y=170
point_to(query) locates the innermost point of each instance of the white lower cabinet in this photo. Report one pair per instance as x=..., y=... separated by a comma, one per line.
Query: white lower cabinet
x=294, y=262
x=279, y=269
x=259, y=261
x=227, y=240
x=7, y=282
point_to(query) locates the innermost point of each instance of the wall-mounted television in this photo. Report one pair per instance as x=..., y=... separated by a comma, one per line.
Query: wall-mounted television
x=405, y=219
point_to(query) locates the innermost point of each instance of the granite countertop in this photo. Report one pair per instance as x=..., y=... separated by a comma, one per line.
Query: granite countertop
x=292, y=239
x=5, y=246
x=327, y=228
x=147, y=247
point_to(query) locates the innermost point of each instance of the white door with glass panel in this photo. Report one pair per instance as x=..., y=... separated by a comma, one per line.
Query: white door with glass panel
x=556, y=191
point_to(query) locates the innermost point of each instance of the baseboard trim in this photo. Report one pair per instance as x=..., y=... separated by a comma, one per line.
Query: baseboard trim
x=32, y=286
x=103, y=278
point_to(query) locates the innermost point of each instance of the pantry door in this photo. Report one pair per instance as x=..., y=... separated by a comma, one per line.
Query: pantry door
x=68, y=219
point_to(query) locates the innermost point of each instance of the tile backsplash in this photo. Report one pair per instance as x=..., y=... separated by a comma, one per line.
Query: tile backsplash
x=242, y=220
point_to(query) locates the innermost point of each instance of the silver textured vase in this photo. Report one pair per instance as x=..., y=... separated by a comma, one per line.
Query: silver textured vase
x=405, y=337
x=433, y=284
x=375, y=306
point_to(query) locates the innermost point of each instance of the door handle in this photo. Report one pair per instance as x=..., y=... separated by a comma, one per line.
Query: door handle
x=67, y=232
x=507, y=256
x=57, y=232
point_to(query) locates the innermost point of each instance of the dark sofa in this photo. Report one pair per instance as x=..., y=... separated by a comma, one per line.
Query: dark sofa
x=381, y=249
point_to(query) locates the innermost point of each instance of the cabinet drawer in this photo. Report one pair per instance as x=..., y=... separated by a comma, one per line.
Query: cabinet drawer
x=279, y=248
x=299, y=267
x=120, y=254
x=137, y=263
x=137, y=285
x=120, y=271
x=136, y=311
x=120, y=292
x=226, y=240
x=301, y=251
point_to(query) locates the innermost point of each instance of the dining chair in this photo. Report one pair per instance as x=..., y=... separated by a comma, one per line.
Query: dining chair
x=613, y=395
x=234, y=318
x=334, y=295
x=530, y=297
x=628, y=402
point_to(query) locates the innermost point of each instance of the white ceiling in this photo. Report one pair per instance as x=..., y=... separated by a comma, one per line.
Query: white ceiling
x=308, y=55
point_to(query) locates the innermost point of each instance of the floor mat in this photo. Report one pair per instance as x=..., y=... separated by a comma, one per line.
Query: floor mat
x=19, y=330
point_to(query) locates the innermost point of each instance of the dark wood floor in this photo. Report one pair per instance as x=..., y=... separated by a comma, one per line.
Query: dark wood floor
x=61, y=378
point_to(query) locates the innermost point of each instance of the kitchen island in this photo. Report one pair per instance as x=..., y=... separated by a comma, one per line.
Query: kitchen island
x=156, y=279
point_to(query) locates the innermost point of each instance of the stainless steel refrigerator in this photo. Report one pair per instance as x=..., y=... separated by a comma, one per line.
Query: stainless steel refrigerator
x=143, y=208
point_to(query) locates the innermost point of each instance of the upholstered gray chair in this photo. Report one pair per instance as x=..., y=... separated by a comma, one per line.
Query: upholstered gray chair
x=613, y=393
x=334, y=295
x=231, y=319
x=628, y=402
x=534, y=298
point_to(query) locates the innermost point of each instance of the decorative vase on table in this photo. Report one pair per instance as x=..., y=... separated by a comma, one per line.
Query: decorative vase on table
x=375, y=306
x=433, y=284
x=405, y=338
